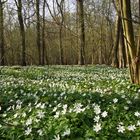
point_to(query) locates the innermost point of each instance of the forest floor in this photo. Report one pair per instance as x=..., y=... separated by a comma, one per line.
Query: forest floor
x=68, y=103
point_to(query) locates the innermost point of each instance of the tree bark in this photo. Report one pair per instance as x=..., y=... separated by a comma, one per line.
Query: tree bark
x=115, y=61
x=2, y=62
x=81, y=32
x=122, y=51
x=38, y=30
x=43, y=35
x=133, y=51
x=22, y=32
x=119, y=53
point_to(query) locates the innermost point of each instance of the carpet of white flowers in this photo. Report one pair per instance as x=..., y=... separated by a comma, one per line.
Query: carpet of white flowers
x=68, y=103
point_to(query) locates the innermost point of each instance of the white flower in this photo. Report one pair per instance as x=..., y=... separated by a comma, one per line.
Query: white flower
x=70, y=110
x=97, y=127
x=97, y=118
x=66, y=133
x=78, y=105
x=115, y=100
x=18, y=106
x=138, y=123
x=104, y=114
x=97, y=109
x=131, y=127
x=57, y=137
x=38, y=105
x=15, y=115
x=120, y=123
x=4, y=115
x=78, y=108
x=59, y=105
x=137, y=114
x=42, y=106
x=0, y=107
x=29, y=122
x=29, y=104
x=57, y=114
x=126, y=107
x=36, y=120
x=23, y=114
x=30, y=110
x=65, y=106
x=123, y=96
x=15, y=123
x=40, y=132
x=40, y=114
x=64, y=111
x=28, y=131
x=54, y=109
x=7, y=108
x=129, y=102
x=121, y=128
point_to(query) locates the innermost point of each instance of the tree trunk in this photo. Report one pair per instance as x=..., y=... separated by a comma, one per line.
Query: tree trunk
x=115, y=62
x=60, y=6
x=61, y=46
x=38, y=30
x=2, y=62
x=133, y=52
x=81, y=32
x=22, y=33
x=43, y=35
x=122, y=51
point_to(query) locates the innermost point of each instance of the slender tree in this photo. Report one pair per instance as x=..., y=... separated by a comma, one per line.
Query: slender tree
x=119, y=53
x=61, y=22
x=2, y=61
x=38, y=39
x=43, y=34
x=1, y=34
x=22, y=31
x=115, y=61
x=81, y=32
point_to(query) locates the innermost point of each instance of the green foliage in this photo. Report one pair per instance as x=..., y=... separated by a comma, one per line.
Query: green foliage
x=68, y=103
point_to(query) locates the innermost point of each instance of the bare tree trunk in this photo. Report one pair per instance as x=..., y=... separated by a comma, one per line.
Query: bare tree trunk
x=133, y=52
x=43, y=35
x=115, y=62
x=38, y=30
x=101, y=43
x=61, y=8
x=22, y=32
x=122, y=51
x=119, y=53
x=81, y=32
x=2, y=62
x=77, y=30
x=61, y=46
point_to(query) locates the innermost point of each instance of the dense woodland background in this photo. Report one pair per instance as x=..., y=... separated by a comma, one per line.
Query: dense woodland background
x=44, y=32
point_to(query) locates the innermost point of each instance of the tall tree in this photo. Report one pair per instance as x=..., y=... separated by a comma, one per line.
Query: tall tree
x=119, y=53
x=61, y=49
x=38, y=30
x=133, y=51
x=2, y=62
x=115, y=61
x=81, y=32
x=43, y=34
x=22, y=31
